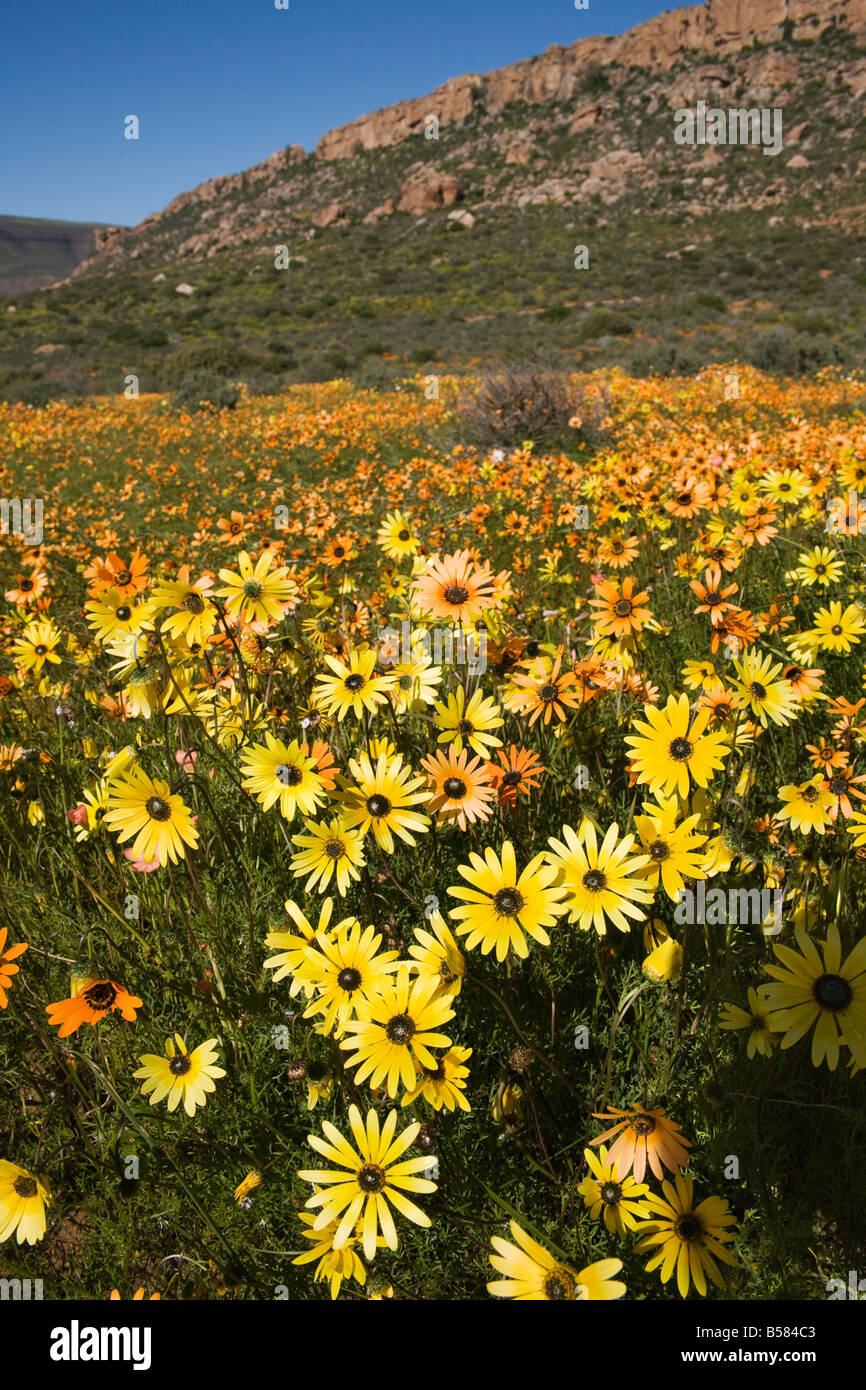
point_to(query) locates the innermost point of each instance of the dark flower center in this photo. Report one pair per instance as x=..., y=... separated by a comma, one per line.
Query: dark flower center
x=400, y=1029
x=339, y=551
x=548, y=693
x=508, y=902
x=688, y=1227
x=810, y=794
x=758, y=690
x=335, y=849
x=465, y=727
x=289, y=776
x=658, y=851
x=180, y=1065
x=835, y=629
x=25, y=1187
x=832, y=992
x=124, y=578
x=512, y=778
x=405, y=682
x=680, y=750
x=378, y=805
x=157, y=809
x=838, y=784
x=454, y=787
x=194, y=602
x=355, y=681
x=101, y=995
x=123, y=613
x=349, y=979
x=559, y=1285
x=26, y=585
x=622, y=608
x=371, y=1178
x=820, y=569
x=41, y=649
x=456, y=594
x=402, y=535
x=594, y=881
x=713, y=598
x=642, y=1124
x=611, y=1193
x=251, y=588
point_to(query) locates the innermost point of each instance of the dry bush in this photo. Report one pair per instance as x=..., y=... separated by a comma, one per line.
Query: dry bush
x=516, y=402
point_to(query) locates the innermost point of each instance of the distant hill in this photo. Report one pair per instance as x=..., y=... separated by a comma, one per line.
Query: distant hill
x=546, y=207
x=35, y=252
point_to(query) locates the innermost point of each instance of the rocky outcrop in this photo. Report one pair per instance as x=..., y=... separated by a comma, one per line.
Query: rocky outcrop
x=426, y=189
x=334, y=212
x=718, y=27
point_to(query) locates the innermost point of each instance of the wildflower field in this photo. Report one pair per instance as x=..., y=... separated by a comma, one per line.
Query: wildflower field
x=432, y=871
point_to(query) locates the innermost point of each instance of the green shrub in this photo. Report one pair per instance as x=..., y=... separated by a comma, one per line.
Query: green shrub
x=198, y=390
x=599, y=323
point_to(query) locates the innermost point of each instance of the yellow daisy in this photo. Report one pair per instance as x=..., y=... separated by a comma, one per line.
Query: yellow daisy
x=146, y=808
x=180, y=1075
x=500, y=906
x=616, y=1200
x=373, y=1179
x=601, y=881
x=672, y=746
x=23, y=1199
x=531, y=1274
x=395, y=1029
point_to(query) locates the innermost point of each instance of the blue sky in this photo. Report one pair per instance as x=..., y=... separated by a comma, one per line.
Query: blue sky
x=218, y=85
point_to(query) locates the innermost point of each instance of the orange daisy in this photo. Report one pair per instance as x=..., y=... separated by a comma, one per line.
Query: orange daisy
x=618, y=551
x=114, y=573
x=459, y=790
x=826, y=756
x=7, y=969
x=645, y=1136
x=454, y=587
x=325, y=768
x=339, y=551
x=842, y=784
x=92, y=998
x=690, y=498
x=233, y=528
x=620, y=613
x=519, y=773
x=713, y=598
x=548, y=693
x=27, y=588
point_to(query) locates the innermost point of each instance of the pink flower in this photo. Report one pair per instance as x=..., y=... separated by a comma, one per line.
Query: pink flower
x=186, y=761
x=78, y=816
x=141, y=865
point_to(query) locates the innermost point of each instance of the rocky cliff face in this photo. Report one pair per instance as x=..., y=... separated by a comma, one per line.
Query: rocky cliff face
x=718, y=27
x=591, y=122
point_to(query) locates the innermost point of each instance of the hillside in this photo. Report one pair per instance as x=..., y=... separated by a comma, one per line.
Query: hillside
x=404, y=251
x=35, y=252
